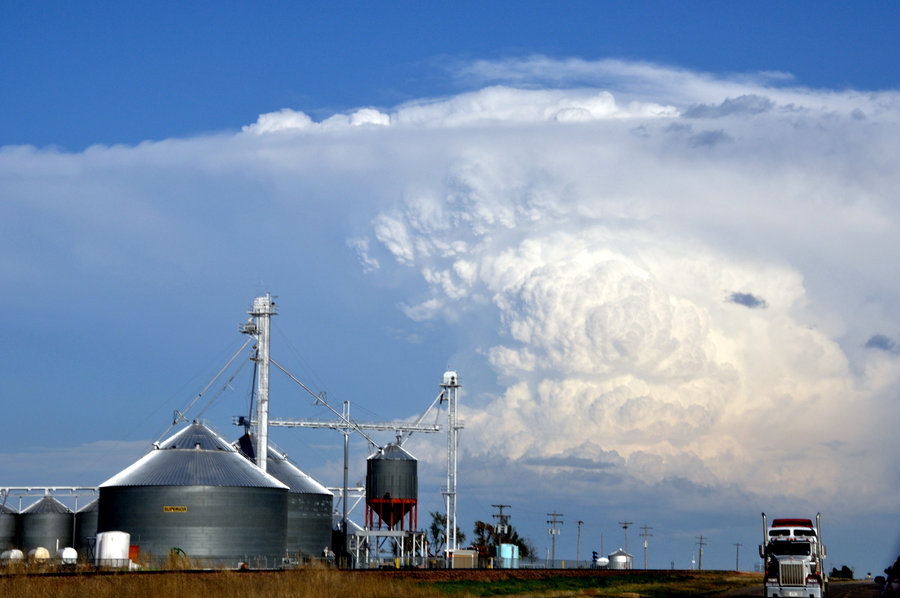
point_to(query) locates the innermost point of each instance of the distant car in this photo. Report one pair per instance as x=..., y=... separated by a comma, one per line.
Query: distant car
x=879, y=580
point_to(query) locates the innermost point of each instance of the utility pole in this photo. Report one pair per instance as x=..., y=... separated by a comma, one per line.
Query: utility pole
x=701, y=544
x=501, y=528
x=578, y=543
x=645, y=533
x=737, y=557
x=625, y=525
x=554, y=531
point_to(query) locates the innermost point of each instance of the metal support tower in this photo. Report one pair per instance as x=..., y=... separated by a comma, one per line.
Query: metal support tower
x=259, y=326
x=450, y=386
x=345, y=415
x=345, y=425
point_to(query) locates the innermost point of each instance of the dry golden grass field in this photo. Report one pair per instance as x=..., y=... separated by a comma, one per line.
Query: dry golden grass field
x=331, y=583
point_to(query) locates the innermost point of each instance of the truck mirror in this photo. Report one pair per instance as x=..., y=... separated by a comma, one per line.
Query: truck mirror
x=762, y=551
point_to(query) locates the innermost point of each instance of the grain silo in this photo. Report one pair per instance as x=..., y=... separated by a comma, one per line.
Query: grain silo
x=621, y=560
x=309, y=503
x=392, y=488
x=9, y=528
x=48, y=524
x=86, y=529
x=195, y=494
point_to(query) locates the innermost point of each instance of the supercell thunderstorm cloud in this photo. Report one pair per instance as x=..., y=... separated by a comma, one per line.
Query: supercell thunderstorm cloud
x=675, y=281
x=667, y=281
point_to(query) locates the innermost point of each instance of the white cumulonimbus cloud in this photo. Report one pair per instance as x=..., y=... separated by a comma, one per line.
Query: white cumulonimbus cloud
x=668, y=273
x=668, y=281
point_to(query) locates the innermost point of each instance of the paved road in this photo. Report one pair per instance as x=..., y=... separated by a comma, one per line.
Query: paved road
x=842, y=589
x=853, y=589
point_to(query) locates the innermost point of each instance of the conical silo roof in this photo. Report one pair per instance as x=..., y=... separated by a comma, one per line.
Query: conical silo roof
x=279, y=466
x=392, y=451
x=92, y=506
x=48, y=504
x=194, y=456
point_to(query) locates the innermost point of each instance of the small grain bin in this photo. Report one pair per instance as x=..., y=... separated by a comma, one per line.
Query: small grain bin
x=392, y=488
x=621, y=560
x=47, y=524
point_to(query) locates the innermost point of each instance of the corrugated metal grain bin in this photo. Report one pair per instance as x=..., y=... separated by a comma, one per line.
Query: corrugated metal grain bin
x=620, y=560
x=86, y=529
x=197, y=495
x=310, y=504
x=9, y=528
x=46, y=524
x=392, y=486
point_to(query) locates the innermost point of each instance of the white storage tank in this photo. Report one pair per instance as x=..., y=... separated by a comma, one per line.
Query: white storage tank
x=509, y=556
x=112, y=549
x=38, y=555
x=11, y=557
x=67, y=556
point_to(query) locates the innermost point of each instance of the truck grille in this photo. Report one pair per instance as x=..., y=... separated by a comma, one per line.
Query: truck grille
x=792, y=574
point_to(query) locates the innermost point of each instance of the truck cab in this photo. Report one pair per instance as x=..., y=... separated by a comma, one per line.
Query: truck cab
x=793, y=559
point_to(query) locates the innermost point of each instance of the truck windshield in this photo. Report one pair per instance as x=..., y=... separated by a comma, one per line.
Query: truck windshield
x=786, y=548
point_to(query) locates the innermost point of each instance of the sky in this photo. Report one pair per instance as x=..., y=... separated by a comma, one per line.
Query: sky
x=656, y=241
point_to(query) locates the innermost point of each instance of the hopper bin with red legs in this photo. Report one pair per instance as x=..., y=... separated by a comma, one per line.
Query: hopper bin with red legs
x=392, y=485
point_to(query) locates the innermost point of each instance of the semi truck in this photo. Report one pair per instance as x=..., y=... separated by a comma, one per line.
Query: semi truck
x=793, y=559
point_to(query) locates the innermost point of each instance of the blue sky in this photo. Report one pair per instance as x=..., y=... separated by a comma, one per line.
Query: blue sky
x=104, y=72
x=655, y=239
